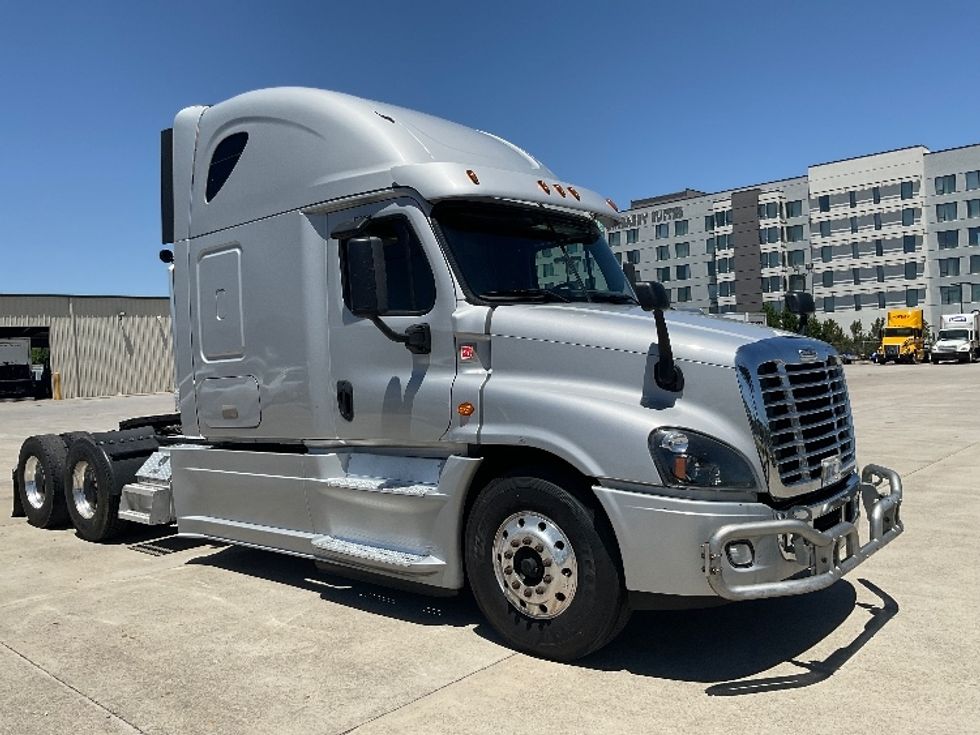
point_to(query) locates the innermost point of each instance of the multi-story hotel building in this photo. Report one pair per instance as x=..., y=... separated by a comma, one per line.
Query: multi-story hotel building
x=863, y=235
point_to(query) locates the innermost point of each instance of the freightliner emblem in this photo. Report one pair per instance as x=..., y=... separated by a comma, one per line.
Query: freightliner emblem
x=808, y=355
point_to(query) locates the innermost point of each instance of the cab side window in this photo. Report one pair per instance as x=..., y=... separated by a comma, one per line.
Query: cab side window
x=411, y=286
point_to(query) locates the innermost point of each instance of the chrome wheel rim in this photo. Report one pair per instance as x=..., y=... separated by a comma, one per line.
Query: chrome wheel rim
x=84, y=490
x=34, y=482
x=535, y=565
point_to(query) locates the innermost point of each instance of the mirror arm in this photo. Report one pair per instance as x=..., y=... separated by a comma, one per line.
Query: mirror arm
x=417, y=338
x=666, y=373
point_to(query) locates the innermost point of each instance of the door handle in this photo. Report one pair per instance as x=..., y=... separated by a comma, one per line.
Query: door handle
x=345, y=399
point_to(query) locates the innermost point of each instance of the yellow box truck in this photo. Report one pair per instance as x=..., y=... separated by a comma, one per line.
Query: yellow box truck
x=902, y=339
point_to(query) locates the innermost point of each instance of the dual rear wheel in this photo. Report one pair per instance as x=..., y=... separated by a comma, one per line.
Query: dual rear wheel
x=68, y=477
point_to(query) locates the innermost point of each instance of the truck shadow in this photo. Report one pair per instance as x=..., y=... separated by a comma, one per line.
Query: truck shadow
x=723, y=645
x=720, y=646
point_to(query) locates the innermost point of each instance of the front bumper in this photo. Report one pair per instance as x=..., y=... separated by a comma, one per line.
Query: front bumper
x=675, y=546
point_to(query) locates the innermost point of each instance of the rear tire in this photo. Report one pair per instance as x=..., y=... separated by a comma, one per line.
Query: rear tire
x=560, y=593
x=89, y=486
x=40, y=473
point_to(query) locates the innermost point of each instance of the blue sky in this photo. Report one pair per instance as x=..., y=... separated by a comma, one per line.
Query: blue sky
x=629, y=99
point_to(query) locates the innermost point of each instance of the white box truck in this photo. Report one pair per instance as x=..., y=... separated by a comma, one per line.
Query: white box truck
x=958, y=338
x=404, y=350
x=15, y=367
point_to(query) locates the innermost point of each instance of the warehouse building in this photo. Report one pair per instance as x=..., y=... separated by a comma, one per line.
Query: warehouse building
x=99, y=345
x=863, y=235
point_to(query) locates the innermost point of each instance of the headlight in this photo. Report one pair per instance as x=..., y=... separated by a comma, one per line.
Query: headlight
x=963, y=348
x=688, y=459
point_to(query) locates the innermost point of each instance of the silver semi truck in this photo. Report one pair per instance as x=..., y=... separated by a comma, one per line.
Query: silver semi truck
x=404, y=350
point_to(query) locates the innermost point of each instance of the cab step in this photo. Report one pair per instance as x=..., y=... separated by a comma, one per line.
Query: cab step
x=354, y=553
x=381, y=485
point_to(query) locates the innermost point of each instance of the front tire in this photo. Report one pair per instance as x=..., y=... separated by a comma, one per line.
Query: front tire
x=40, y=474
x=542, y=567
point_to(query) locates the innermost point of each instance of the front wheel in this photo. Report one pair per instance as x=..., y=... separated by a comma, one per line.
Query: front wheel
x=542, y=567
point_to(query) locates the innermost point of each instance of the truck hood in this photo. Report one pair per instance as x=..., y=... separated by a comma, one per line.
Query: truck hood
x=694, y=337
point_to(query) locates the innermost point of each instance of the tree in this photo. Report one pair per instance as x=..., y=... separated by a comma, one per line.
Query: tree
x=772, y=315
x=789, y=321
x=831, y=332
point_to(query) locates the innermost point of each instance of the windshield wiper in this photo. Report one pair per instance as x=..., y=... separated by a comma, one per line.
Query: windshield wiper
x=517, y=294
x=612, y=297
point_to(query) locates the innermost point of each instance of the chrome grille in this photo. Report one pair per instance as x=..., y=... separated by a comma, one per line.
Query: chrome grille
x=808, y=416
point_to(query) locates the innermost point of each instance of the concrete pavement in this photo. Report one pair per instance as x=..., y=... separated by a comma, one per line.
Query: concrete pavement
x=158, y=634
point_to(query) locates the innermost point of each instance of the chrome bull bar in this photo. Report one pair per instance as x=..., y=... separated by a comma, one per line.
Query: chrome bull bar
x=834, y=552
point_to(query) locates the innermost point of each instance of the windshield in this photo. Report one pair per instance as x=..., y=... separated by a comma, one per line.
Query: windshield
x=899, y=332
x=958, y=334
x=512, y=253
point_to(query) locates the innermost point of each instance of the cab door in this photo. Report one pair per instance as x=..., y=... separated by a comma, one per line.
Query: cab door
x=385, y=394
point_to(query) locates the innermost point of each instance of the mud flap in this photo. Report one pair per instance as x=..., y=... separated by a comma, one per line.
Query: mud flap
x=18, y=511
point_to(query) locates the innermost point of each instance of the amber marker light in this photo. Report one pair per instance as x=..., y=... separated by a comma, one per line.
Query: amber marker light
x=473, y=177
x=465, y=409
x=571, y=190
x=544, y=187
x=560, y=190
x=612, y=204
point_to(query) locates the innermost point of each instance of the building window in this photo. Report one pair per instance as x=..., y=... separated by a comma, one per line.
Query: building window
x=633, y=256
x=910, y=271
x=828, y=303
x=680, y=227
x=797, y=282
x=876, y=195
x=662, y=231
x=855, y=250
x=908, y=243
x=796, y=257
x=949, y=267
x=825, y=228
x=710, y=246
x=762, y=236
x=774, y=259
x=632, y=236
x=946, y=184
x=725, y=288
x=619, y=257
x=881, y=301
x=663, y=274
x=857, y=302
x=772, y=234
x=973, y=207
x=856, y=276
x=947, y=239
x=975, y=292
x=772, y=210
x=854, y=225
x=912, y=297
x=946, y=212
x=852, y=199
x=880, y=273
x=973, y=236
x=683, y=249
x=908, y=217
x=614, y=239
x=723, y=265
x=972, y=180
x=723, y=218
x=906, y=190
x=663, y=252
x=723, y=241
x=879, y=250
x=877, y=219
x=826, y=253
x=975, y=264
x=709, y=222
x=950, y=294
x=827, y=279
x=794, y=233
x=683, y=294
x=794, y=208
x=683, y=272
x=824, y=202
x=711, y=268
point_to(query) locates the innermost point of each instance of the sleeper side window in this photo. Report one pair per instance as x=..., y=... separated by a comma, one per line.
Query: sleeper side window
x=223, y=162
x=411, y=285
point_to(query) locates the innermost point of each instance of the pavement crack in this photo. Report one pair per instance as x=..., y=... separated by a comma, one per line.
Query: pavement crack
x=943, y=459
x=77, y=691
x=419, y=698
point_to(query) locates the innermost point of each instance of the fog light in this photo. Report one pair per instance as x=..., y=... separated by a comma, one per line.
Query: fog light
x=740, y=554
